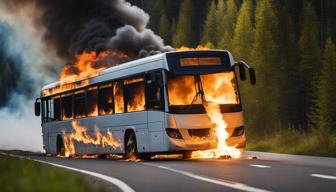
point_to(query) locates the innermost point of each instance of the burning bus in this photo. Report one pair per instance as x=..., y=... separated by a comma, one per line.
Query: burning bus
x=181, y=102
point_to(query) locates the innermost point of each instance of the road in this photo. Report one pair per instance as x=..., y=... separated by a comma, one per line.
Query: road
x=269, y=172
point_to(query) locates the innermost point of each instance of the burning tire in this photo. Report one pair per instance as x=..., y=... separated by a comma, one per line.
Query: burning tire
x=187, y=155
x=131, y=151
x=60, y=149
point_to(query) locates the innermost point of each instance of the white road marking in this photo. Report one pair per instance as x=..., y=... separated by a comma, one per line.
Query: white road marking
x=323, y=176
x=260, y=166
x=120, y=184
x=230, y=184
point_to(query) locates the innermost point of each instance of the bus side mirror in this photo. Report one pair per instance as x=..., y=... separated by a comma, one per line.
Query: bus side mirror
x=242, y=71
x=37, y=108
x=252, y=75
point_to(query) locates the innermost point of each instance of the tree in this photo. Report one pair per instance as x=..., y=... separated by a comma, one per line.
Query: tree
x=243, y=32
x=324, y=114
x=288, y=45
x=209, y=28
x=265, y=58
x=164, y=28
x=184, y=34
x=309, y=62
x=226, y=25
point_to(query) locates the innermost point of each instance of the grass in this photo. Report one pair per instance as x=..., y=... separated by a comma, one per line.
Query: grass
x=296, y=142
x=25, y=175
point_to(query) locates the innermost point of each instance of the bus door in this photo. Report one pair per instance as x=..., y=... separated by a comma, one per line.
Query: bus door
x=155, y=110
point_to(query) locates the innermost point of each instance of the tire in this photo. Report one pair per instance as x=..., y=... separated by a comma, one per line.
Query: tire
x=187, y=155
x=60, y=149
x=131, y=151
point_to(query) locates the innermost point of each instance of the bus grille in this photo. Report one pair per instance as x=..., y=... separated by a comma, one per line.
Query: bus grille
x=199, y=132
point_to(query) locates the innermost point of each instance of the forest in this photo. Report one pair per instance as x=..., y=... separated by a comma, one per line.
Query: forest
x=290, y=43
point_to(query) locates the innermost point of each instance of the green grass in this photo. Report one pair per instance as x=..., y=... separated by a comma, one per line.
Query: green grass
x=25, y=175
x=296, y=142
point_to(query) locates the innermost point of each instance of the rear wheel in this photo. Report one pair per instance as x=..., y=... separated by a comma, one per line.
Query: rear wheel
x=187, y=155
x=60, y=150
x=131, y=151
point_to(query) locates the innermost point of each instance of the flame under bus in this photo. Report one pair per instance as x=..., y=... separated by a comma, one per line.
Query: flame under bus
x=158, y=100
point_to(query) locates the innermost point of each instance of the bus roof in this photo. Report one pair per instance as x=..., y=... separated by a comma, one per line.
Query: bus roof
x=130, y=68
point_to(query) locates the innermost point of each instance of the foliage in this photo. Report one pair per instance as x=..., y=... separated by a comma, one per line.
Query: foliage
x=24, y=175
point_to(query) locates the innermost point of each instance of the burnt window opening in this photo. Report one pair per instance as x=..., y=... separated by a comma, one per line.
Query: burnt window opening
x=92, y=102
x=118, y=94
x=79, y=105
x=66, y=107
x=105, y=99
x=135, y=94
x=154, y=91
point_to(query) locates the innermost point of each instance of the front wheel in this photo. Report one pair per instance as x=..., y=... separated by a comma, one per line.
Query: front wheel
x=60, y=149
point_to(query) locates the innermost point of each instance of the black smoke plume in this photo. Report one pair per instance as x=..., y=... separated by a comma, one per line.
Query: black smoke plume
x=74, y=26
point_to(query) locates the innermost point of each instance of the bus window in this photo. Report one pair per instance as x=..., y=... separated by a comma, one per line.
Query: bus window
x=118, y=97
x=135, y=94
x=154, y=91
x=50, y=110
x=79, y=106
x=44, y=111
x=57, y=108
x=105, y=99
x=66, y=106
x=92, y=101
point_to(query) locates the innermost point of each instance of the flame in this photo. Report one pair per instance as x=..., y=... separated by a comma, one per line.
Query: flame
x=185, y=48
x=221, y=133
x=80, y=135
x=87, y=65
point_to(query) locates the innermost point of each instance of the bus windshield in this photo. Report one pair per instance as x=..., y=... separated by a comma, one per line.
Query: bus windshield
x=187, y=92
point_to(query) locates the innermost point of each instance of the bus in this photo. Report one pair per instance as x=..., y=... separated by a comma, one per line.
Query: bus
x=152, y=105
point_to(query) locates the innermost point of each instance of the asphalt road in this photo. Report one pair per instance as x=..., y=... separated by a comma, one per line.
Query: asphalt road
x=269, y=172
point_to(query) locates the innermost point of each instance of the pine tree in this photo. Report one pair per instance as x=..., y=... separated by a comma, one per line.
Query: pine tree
x=164, y=28
x=243, y=34
x=324, y=113
x=226, y=25
x=265, y=59
x=309, y=61
x=289, y=68
x=184, y=34
x=209, y=27
x=153, y=8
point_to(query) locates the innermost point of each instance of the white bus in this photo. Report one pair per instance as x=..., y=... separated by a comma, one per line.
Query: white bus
x=151, y=105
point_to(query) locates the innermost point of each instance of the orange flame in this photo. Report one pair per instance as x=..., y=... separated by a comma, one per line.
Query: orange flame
x=87, y=65
x=185, y=48
x=222, y=148
x=80, y=135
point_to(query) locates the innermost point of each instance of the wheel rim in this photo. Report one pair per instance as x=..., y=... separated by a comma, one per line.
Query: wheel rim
x=130, y=148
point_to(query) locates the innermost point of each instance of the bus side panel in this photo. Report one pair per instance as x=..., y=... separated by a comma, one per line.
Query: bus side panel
x=45, y=137
x=156, y=131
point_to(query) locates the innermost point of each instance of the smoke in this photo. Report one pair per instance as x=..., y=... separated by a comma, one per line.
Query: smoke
x=74, y=26
x=29, y=66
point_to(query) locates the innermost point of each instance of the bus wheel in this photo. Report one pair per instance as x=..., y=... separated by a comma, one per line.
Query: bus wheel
x=60, y=150
x=187, y=155
x=131, y=151
x=130, y=147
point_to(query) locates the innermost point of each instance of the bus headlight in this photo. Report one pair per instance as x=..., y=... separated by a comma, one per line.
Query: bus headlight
x=174, y=133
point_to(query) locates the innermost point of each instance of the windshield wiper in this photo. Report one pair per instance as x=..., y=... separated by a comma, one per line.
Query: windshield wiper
x=199, y=91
